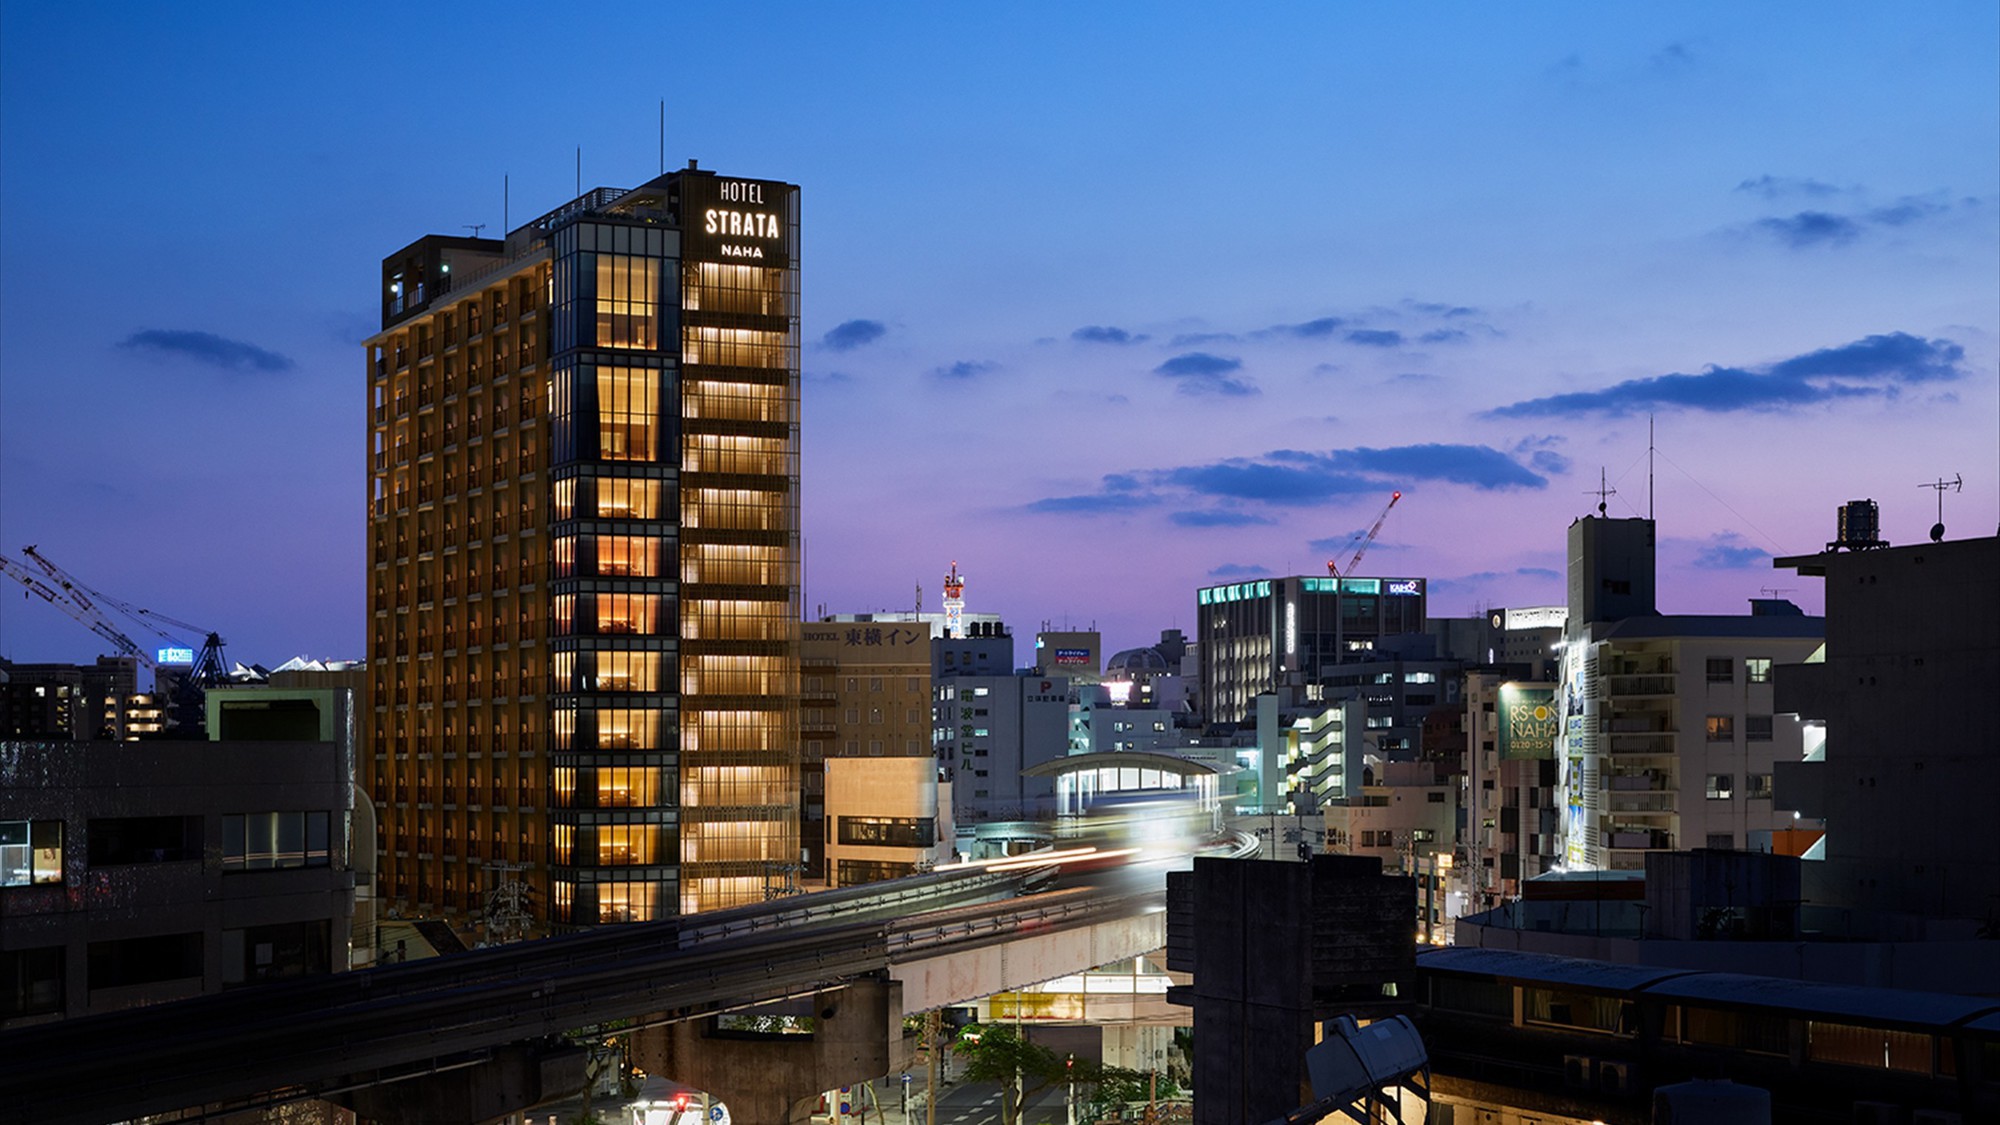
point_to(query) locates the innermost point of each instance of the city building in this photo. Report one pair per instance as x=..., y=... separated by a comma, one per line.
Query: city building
x=1404, y=815
x=1075, y=654
x=988, y=730
x=866, y=697
x=885, y=818
x=99, y=701
x=1267, y=634
x=1668, y=732
x=1165, y=675
x=583, y=555
x=1901, y=763
x=1099, y=722
x=1513, y=830
x=134, y=873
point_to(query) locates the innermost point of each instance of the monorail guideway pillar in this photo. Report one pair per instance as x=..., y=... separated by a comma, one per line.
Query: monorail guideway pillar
x=857, y=1035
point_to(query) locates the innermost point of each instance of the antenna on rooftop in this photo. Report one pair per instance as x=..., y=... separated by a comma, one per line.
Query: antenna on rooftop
x=1649, y=466
x=1776, y=591
x=1603, y=492
x=475, y=228
x=1955, y=484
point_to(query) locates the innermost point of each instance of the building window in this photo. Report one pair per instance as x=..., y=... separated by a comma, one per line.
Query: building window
x=1721, y=728
x=31, y=981
x=628, y=411
x=1721, y=670
x=888, y=831
x=851, y=872
x=628, y=302
x=1757, y=786
x=1757, y=728
x=266, y=841
x=1757, y=669
x=1721, y=786
x=30, y=852
x=1721, y=841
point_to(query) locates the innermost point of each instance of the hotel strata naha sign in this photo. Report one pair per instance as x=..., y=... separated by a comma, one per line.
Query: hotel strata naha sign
x=731, y=220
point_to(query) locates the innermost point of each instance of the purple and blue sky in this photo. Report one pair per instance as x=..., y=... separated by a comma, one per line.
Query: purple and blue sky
x=1105, y=302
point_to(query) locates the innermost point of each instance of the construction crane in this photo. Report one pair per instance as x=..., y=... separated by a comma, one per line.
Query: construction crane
x=1366, y=541
x=80, y=600
x=88, y=618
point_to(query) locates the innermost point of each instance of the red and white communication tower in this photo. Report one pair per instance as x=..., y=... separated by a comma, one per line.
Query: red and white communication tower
x=954, y=602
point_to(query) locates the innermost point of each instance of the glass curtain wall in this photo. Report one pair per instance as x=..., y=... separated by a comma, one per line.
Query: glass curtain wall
x=615, y=781
x=738, y=550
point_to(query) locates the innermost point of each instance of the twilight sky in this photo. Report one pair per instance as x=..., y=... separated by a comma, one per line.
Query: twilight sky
x=1105, y=302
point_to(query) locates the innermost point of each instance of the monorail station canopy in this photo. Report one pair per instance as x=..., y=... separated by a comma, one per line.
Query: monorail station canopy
x=1082, y=780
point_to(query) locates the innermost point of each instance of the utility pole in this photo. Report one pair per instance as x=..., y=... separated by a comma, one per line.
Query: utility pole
x=933, y=1034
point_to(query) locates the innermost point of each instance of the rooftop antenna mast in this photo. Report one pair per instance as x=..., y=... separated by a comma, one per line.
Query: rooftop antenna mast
x=1603, y=492
x=1649, y=466
x=1942, y=486
x=475, y=228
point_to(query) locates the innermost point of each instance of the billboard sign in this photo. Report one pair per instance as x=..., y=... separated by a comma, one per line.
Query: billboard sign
x=1528, y=722
x=174, y=655
x=1537, y=617
x=725, y=219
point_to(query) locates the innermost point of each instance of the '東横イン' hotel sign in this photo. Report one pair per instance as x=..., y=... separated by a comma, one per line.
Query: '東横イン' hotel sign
x=732, y=220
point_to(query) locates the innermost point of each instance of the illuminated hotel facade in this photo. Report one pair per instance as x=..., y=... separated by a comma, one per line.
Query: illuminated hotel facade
x=583, y=569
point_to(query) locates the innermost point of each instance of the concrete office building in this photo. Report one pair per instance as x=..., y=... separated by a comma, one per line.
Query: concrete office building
x=1668, y=733
x=866, y=697
x=1902, y=762
x=989, y=729
x=134, y=873
x=1075, y=654
x=1261, y=636
x=1513, y=830
x=583, y=555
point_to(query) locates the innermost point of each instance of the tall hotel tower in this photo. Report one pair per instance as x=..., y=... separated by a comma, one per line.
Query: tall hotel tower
x=583, y=603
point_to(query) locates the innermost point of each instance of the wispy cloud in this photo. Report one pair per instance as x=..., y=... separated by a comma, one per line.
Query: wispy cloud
x=1811, y=228
x=1779, y=187
x=1727, y=551
x=1818, y=227
x=1104, y=334
x=1482, y=578
x=1375, y=338
x=1231, y=492
x=1317, y=329
x=1239, y=570
x=1096, y=503
x=1876, y=366
x=1218, y=517
x=208, y=348
x=965, y=369
x=849, y=335
x=1203, y=373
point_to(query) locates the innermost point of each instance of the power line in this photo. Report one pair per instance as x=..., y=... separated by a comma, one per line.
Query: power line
x=1773, y=543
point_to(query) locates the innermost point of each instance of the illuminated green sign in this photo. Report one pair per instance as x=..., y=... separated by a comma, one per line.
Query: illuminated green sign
x=1527, y=722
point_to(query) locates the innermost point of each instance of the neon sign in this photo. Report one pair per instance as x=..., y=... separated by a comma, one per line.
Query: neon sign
x=174, y=655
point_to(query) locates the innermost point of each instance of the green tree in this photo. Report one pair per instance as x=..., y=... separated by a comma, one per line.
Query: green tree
x=997, y=1053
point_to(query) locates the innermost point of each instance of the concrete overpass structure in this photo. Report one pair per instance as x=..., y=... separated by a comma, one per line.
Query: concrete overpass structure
x=474, y=1036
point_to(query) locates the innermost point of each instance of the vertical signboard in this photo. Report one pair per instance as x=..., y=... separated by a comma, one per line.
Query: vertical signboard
x=725, y=219
x=1528, y=722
